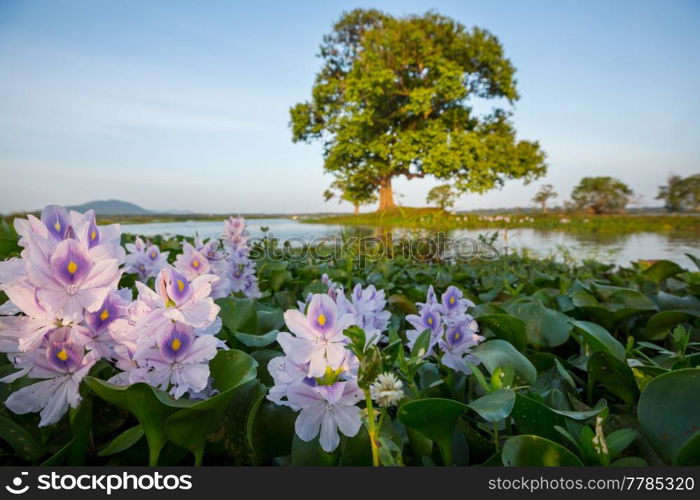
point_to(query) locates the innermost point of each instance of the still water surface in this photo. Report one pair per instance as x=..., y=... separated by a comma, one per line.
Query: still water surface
x=614, y=248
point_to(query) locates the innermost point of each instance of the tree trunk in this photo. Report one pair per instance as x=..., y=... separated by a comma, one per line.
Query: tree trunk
x=386, y=195
x=356, y=210
x=544, y=207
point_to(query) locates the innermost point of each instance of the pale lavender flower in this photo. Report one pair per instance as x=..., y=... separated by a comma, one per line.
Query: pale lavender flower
x=318, y=336
x=72, y=281
x=325, y=410
x=191, y=263
x=64, y=366
x=457, y=344
x=455, y=306
x=235, y=232
x=145, y=260
x=430, y=318
x=176, y=359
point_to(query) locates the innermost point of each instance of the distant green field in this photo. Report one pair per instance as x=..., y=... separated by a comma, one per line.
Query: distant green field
x=430, y=218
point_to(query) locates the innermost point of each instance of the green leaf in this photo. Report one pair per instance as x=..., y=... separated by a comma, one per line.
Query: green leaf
x=533, y=417
x=150, y=406
x=235, y=431
x=495, y=406
x=661, y=270
x=238, y=315
x=614, y=375
x=536, y=451
x=190, y=426
x=435, y=419
x=505, y=327
x=273, y=432
x=268, y=320
x=402, y=303
x=420, y=347
x=278, y=277
x=250, y=340
x=122, y=442
x=669, y=412
x=661, y=323
x=689, y=454
x=499, y=353
x=598, y=338
x=544, y=327
x=23, y=443
x=619, y=440
x=310, y=453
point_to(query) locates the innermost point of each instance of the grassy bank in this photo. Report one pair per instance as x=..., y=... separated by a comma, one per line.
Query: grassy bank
x=430, y=218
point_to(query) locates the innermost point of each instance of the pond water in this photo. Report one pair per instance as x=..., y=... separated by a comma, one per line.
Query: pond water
x=613, y=248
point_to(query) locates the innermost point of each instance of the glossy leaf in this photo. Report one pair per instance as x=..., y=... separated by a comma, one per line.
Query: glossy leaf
x=669, y=412
x=536, y=451
x=499, y=353
x=436, y=419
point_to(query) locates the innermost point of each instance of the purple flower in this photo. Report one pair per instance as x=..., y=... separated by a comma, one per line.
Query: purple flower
x=65, y=365
x=57, y=221
x=318, y=336
x=145, y=260
x=178, y=360
x=191, y=263
x=430, y=318
x=71, y=281
x=325, y=410
x=457, y=344
x=455, y=305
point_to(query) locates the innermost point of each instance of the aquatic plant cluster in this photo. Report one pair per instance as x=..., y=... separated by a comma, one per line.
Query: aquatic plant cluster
x=73, y=313
x=158, y=351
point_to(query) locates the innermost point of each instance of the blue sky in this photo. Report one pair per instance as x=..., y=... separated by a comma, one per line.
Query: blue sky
x=184, y=104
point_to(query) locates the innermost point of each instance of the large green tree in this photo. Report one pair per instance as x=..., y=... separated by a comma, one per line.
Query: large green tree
x=601, y=195
x=395, y=96
x=681, y=194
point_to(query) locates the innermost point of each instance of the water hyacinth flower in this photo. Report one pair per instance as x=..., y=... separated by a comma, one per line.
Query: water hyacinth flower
x=455, y=306
x=453, y=330
x=178, y=299
x=64, y=366
x=191, y=263
x=317, y=335
x=175, y=358
x=71, y=281
x=145, y=260
x=326, y=409
x=430, y=318
x=457, y=344
x=367, y=306
x=235, y=234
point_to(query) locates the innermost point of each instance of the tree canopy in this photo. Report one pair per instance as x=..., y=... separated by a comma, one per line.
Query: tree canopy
x=395, y=97
x=443, y=196
x=681, y=194
x=601, y=195
x=543, y=195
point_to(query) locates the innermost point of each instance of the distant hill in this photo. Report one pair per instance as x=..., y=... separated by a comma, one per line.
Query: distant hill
x=112, y=207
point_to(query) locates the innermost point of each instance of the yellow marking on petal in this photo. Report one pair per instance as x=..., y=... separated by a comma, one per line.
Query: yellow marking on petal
x=72, y=267
x=452, y=300
x=153, y=255
x=430, y=320
x=93, y=234
x=457, y=335
x=104, y=315
x=195, y=264
x=57, y=226
x=176, y=344
x=321, y=319
x=180, y=285
x=62, y=355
